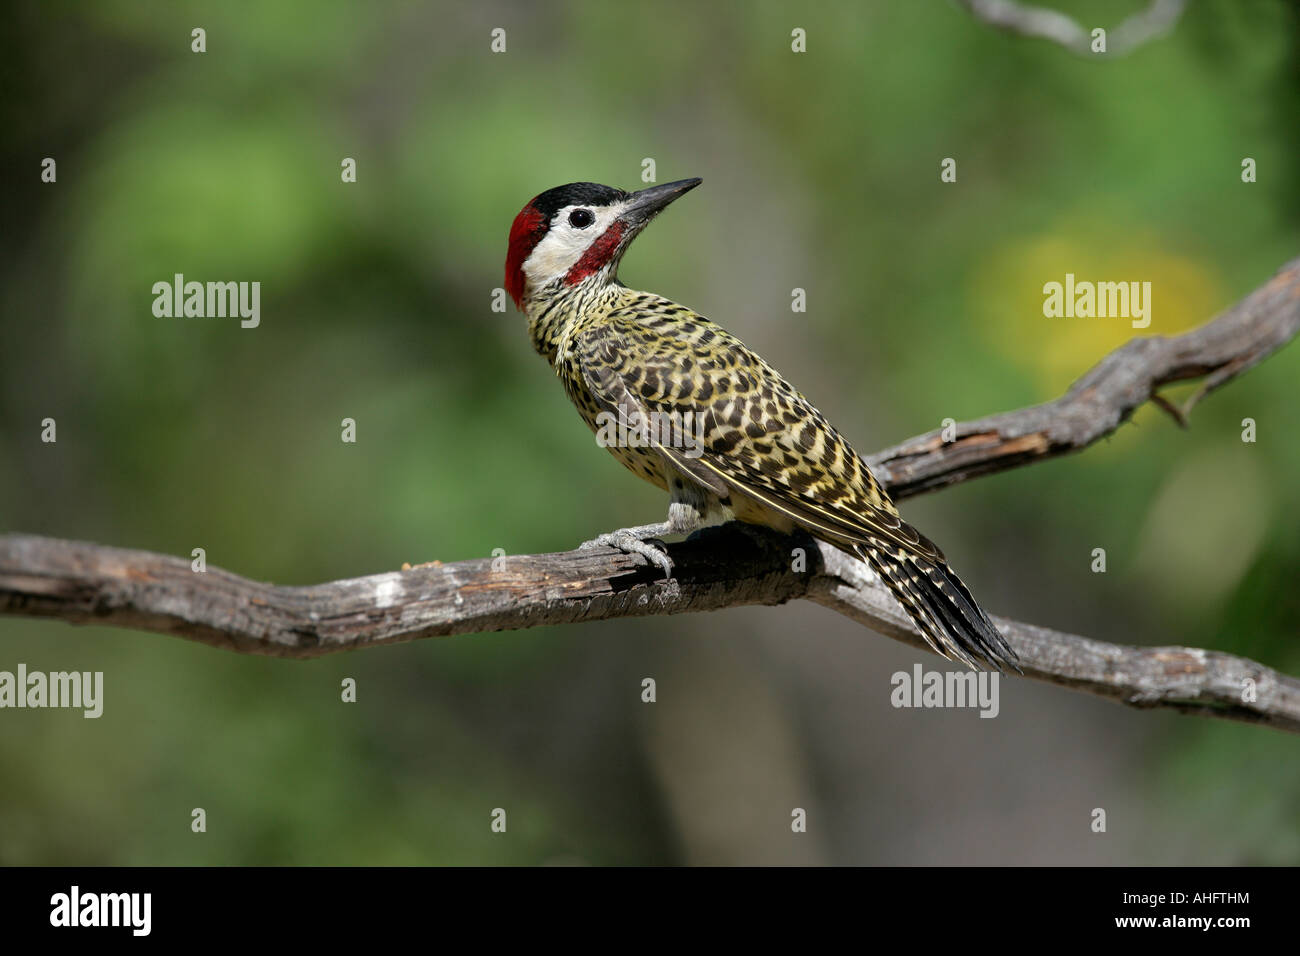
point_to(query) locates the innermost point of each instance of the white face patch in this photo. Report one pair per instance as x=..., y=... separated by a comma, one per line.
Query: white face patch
x=564, y=243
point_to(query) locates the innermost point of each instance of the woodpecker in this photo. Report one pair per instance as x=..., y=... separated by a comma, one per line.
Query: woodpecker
x=766, y=456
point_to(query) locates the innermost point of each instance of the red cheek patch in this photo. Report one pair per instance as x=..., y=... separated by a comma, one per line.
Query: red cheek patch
x=597, y=255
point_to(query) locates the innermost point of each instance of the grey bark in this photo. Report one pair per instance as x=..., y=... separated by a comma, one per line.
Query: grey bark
x=1024, y=19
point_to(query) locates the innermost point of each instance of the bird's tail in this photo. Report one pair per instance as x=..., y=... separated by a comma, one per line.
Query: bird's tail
x=949, y=619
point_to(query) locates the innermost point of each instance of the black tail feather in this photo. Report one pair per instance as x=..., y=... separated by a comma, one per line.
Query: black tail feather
x=949, y=618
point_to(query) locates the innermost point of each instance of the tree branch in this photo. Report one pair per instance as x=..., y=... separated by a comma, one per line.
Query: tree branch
x=1031, y=21
x=1105, y=397
x=719, y=568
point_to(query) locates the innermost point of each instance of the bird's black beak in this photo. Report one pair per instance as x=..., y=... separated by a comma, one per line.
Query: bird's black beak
x=648, y=203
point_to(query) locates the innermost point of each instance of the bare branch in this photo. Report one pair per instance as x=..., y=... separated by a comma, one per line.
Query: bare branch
x=1027, y=20
x=1103, y=399
x=720, y=568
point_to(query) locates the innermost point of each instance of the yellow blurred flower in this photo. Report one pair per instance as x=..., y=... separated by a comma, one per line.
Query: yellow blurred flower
x=1009, y=296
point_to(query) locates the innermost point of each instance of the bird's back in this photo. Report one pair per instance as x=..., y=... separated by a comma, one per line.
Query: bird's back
x=765, y=453
x=759, y=432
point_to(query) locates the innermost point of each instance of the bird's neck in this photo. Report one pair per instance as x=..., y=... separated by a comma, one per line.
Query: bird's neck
x=559, y=311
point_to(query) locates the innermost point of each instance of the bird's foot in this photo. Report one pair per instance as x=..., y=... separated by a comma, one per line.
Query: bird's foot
x=642, y=541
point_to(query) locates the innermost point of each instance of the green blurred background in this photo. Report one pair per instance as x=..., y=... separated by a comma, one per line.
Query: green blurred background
x=821, y=172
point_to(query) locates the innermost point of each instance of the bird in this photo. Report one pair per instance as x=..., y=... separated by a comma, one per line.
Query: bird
x=686, y=406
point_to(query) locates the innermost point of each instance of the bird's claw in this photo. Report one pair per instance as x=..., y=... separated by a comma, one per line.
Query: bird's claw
x=652, y=549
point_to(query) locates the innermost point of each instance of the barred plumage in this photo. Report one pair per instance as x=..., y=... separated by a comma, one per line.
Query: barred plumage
x=767, y=456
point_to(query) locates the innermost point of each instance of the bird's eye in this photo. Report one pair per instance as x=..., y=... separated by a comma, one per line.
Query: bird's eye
x=581, y=218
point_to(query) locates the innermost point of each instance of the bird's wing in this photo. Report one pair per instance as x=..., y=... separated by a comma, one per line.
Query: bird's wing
x=765, y=441
x=762, y=438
